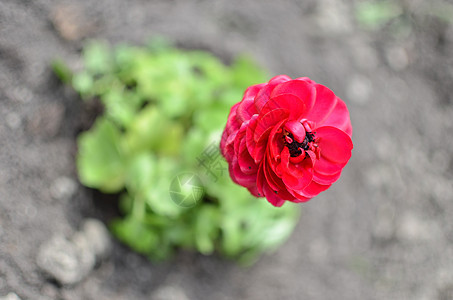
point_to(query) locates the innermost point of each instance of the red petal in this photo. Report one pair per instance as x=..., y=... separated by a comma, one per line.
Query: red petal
x=246, y=110
x=254, y=191
x=265, y=121
x=275, y=141
x=326, y=167
x=298, y=197
x=260, y=179
x=251, y=143
x=289, y=102
x=246, y=162
x=273, y=183
x=227, y=146
x=262, y=97
x=335, y=145
x=232, y=123
x=297, y=129
x=264, y=94
x=324, y=105
x=261, y=145
x=223, y=143
x=306, y=79
x=335, y=150
x=239, y=137
x=272, y=197
x=339, y=118
x=301, y=89
x=239, y=177
x=295, y=177
x=325, y=178
x=252, y=91
x=313, y=189
x=279, y=79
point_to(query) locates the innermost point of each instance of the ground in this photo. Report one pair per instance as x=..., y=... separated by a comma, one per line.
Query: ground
x=383, y=231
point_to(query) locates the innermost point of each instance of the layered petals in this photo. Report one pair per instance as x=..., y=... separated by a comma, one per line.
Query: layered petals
x=287, y=140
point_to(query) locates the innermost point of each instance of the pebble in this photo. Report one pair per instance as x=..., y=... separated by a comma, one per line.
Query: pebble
x=13, y=121
x=63, y=188
x=70, y=260
x=64, y=260
x=50, y=291
x=333, y=17
x=359, y=89
x=71, y=22
x=169, y=292
x=47, y=119
x=98, y=237
x=10, y=296
x=397, y=58
x=413, y=228
x=22, y=94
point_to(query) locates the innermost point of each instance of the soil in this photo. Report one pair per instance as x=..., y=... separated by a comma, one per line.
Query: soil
x=383, y=231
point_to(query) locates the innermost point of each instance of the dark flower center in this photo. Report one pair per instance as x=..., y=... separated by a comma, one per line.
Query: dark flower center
x=295, y=148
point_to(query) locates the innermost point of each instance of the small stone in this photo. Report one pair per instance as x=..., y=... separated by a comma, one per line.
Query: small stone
x=13, y=121
x=87, y=256
x=397, y=58
x=169, y=293
x=10, y=296
x=27, y=211
x=50, y=291
x=63, y=188
x=333, y=17
x=98, y=237
x=47, y=119
x=359, y=89
x=70, y=22
x=413, y=228
x=21, y=94
x=64, y=260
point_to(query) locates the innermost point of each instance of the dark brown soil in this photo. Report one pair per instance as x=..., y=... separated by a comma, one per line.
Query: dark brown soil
x=383, y=231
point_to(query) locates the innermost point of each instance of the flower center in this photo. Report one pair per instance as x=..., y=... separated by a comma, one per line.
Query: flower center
x=295, y=148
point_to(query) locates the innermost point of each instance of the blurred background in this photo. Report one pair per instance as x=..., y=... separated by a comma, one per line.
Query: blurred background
x=383, y=231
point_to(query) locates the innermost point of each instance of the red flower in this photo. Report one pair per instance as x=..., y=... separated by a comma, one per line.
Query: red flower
x=287, y=140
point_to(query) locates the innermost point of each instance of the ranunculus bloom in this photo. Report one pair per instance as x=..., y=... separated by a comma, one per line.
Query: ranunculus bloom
x=287, y=140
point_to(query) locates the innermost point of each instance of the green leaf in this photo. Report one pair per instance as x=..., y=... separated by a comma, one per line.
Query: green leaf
x=157, y=193
x=135, y=234
x=100, y=160
x=125, y=203
x=206, y=228
x=373, y=14
x=141, y=172
x=96, y=56
x=151, y=131
x=62, y=71
x=82, y=82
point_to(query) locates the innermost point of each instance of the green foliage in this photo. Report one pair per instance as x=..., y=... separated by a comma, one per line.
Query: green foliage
x=374, y=14
x=400, y=16
x=164, y=111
